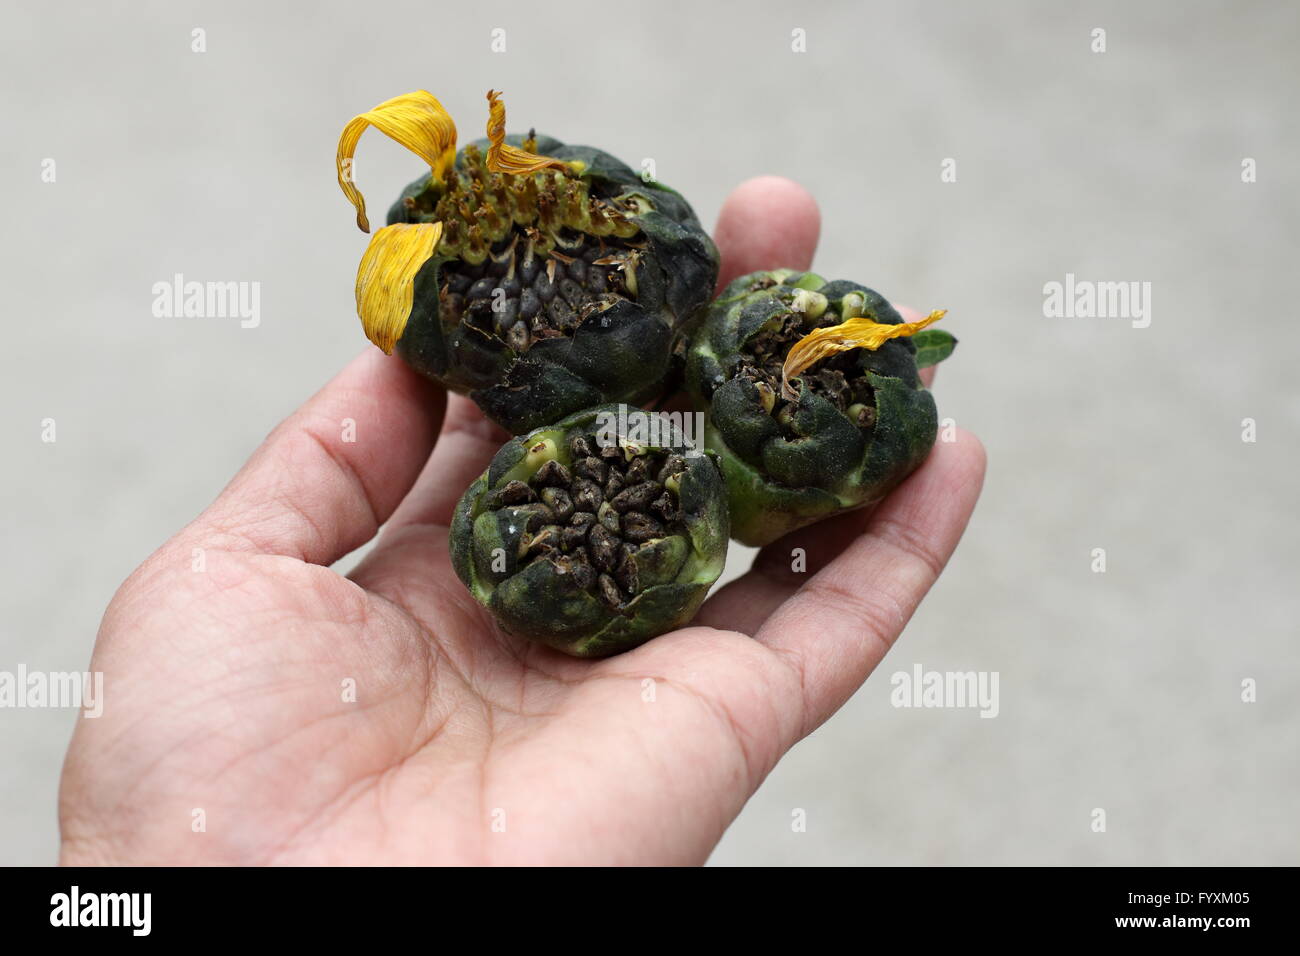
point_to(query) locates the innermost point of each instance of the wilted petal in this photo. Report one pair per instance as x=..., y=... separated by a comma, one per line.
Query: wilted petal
x=502, y=158
x=415, y=120
x=856, y=333
x=386, y=278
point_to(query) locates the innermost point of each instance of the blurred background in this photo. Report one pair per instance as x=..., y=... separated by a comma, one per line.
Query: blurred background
x=1119, y=690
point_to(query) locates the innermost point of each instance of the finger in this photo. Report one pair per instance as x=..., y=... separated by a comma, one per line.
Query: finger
x=839, y=624
x=466, y=444
x=329, y=475
x=766, y=223
x=410, y=564
x=779, y=570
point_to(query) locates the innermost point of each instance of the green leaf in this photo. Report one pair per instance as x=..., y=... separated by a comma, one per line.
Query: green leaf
x=933, y=346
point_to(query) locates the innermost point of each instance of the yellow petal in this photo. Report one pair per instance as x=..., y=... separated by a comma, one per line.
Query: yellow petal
x=502, y=158
x=415, y=120
x=856, y=333
x=386, y=278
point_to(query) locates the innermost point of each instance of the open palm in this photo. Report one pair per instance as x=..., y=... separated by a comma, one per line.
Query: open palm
x=261, y=708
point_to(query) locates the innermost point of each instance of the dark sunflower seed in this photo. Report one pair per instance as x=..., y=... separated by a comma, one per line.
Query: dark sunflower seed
x=552, y=474
x=635, y=498
x=583, y=575
x=561, y=313
x=544, y=287
x=609, y=591
x=571, y=292
x=572, y=537
x=640, y=527
x=529, y=304
x=454, y=303
x=517, y=337
x=626, y=573
x=638, y=470
x=608, y=517
x=675, y=464
x=558, y=500
x=503, y=320
x=664, y=507
x=587, y=495
x=603, y=548
x=517, y=493
x=593, y=468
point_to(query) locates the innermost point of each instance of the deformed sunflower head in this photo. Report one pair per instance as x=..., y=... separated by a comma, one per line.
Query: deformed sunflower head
x=813, y=397
x=592, y=537
x=538, y=277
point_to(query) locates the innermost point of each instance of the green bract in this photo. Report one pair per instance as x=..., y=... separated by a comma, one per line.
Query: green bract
x=594, y=534
x=553, y=291
x=857, y=423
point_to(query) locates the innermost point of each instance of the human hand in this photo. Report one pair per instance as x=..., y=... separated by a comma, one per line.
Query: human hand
x=226, y=688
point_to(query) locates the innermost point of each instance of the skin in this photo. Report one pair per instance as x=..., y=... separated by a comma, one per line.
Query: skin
x=224, y=689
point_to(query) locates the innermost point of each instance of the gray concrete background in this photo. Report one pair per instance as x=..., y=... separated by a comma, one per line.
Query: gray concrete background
x=1118, y=690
